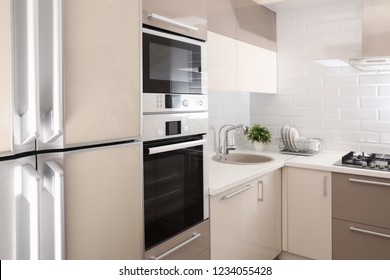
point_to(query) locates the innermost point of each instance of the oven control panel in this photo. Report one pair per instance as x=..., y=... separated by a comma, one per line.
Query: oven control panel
x=160, y=103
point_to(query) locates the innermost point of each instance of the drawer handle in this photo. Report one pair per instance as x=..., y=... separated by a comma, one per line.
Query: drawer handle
x=352, y=180
x=174, y=249
x=237, y=192
x=369, y=232
x=172, y=21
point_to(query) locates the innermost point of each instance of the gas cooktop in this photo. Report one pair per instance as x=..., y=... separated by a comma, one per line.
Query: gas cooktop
x=380, y=162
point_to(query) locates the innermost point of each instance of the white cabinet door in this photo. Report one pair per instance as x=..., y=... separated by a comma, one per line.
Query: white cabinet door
x=309, y=211
x=270, y=215
x=222, y=62
x=5, y=78
x=233, y=218
x=256, y=69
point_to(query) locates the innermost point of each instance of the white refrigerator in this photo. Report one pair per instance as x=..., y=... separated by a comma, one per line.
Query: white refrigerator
x=70, y=129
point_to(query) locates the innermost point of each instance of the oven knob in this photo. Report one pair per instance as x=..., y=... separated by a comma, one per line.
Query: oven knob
x=185, y=103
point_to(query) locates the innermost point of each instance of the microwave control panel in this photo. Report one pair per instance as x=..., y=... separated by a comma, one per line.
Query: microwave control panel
x=160, y=103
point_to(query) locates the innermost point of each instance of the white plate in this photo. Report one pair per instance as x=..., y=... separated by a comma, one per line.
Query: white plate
x=286, y=136
x=294, y=134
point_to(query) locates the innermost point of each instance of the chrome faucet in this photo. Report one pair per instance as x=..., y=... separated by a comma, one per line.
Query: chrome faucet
x=224, y=147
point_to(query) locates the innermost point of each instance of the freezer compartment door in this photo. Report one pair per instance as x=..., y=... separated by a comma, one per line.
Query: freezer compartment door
x=90, y=86
x=102, y=200
x=19, y=210
x=52, y=210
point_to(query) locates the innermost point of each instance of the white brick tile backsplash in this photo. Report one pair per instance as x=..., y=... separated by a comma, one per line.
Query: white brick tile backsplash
x=384, y=115
x=375, y=126
x=359, y=114
x=328, y=113
x=340, y=81
x=375, y=102
x=342, y=124
x=353, y=136
x=374, y=79
x=341, y=102
x=307, y=102
x=358, y=91
x=385, y=138
x=384, y=91
x=323, y=91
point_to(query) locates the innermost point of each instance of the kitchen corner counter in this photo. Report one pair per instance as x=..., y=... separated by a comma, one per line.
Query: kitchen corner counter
x=223, y=176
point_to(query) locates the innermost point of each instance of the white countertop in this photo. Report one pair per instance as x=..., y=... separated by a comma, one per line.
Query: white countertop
x=223, y=176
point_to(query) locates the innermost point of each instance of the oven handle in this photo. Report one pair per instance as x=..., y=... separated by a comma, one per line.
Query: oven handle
x=174, y=249
x=179, y=146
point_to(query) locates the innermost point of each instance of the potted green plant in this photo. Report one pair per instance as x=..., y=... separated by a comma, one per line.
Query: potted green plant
x=259, y=135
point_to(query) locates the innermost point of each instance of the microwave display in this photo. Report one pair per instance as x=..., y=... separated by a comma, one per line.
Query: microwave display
x=173, y=128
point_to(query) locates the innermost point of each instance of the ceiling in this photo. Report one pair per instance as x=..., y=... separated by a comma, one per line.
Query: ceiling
x=291, y=5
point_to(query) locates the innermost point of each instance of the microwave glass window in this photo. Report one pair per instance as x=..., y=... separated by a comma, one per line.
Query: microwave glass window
x=177, y=59
x=171, y=66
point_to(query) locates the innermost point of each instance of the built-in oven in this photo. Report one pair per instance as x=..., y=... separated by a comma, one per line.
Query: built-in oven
x=175, y=174
x=173, y=63
x=175, y=193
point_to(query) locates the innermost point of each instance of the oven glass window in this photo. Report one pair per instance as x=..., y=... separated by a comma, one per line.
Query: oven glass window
x=173, y=193
x=170, y=66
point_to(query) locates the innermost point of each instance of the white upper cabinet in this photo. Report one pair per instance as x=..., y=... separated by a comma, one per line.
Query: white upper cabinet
x=185, y=17
x=241, y=47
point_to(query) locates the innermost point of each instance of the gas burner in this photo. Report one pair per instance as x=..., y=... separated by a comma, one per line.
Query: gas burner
x=372, y=161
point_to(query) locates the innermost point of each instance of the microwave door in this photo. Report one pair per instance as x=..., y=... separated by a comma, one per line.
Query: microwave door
x=172, y=64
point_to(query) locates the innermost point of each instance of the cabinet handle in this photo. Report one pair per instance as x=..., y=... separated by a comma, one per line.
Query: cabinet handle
x=172, y=21
x=237, y=192
x=352, y=180
x=174, y=249
x=369, y=232
x=260, y=187
x=325, y=183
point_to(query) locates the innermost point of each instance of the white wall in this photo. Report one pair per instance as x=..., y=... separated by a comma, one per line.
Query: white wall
x=227, y=108
x=349, y=109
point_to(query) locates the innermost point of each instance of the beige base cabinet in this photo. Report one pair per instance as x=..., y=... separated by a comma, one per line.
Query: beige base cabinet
x=361, y=224
x=309, y=213
x=246, y=220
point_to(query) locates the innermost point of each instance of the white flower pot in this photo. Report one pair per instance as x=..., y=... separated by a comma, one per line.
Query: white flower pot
x=258, y=146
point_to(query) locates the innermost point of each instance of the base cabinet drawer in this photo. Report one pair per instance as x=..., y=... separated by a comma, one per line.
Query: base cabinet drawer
x=361, y=199
x=193, y=243
x=353, y=241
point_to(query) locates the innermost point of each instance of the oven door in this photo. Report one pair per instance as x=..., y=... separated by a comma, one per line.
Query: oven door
x=172, y=64
x=175, y=187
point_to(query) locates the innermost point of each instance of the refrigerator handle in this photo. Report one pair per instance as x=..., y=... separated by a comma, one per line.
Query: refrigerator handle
x=52, y=122
x=29, y=189
x=29, y=121
x=54, y=183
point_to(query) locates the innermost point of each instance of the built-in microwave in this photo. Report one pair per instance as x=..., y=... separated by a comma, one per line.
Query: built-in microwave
x=173, y=64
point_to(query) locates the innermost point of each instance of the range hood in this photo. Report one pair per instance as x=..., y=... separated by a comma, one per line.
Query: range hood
x=376, y=37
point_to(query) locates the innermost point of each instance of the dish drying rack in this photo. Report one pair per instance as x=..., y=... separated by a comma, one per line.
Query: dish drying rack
x=301, y=147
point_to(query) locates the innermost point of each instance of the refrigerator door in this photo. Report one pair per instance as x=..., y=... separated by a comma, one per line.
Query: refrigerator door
x=25, y=74
x=5, y=78
x=94, y=78
x=19, y=209
x=103, y=195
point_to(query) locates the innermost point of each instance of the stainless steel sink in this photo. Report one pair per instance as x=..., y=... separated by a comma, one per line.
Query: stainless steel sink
x=243, y=158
